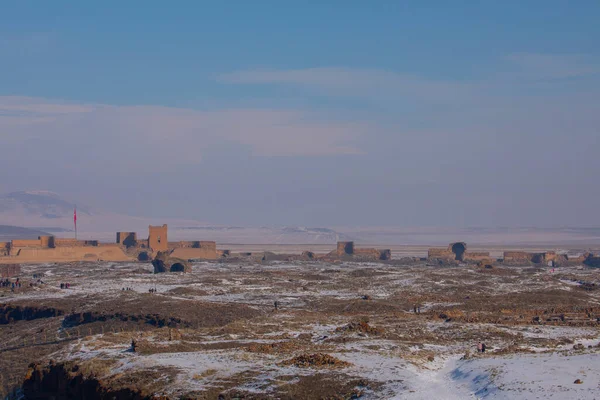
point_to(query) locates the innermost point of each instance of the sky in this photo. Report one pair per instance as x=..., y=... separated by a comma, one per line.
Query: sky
x=328, y=113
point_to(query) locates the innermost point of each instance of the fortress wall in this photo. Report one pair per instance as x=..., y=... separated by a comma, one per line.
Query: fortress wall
x=101, y=244
x=345, y=248
x=196, y=244
x=187, y=253
x=592, y=261
x=559, y=258
x=27, y=243
x=477, y=256
x=440, y=253
x=581, y=258
x=183, y=244
x=47, y=241
x=128, y=239
x=69, y=242
x=209, y=245
x=385, y=254
x=517, y=256
x=68, y=254
x=367, y=252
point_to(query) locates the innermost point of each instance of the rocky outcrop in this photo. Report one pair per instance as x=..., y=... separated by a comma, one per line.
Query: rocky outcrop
x=89, y=317
x=11, y=313
x=163, y=262
x=68, y=381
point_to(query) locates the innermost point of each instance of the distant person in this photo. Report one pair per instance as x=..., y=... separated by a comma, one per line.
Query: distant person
x=483, y=347
x=480, y=347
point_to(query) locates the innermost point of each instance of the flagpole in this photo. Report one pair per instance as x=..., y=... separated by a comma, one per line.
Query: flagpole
x=75, y=220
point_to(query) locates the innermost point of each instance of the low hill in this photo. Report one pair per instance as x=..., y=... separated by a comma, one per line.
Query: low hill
x=9, y=232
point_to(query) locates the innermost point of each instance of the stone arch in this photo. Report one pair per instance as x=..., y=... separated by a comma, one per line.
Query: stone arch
x=177, y=267
x=459, y=250
x=144, y=256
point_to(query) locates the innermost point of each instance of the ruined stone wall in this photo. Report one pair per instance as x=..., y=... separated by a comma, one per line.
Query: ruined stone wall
x=112, y=252
x=592, y=261
x=440, y=253
x=385, y=254
x=187, y=253
x=26, y=243
x=101, y=244
x=581, y=259
x=516, y=256
x=157, y=238
x=128, y=239
x=47, y=241
x=364, y=252
x=549, y=257
x=477, y=256
x=193, y=244
x=4, y=248
x=69, y=242
x=345, y=248
x=557, y=258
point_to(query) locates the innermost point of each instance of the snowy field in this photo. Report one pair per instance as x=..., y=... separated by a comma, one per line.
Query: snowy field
x=216, y=331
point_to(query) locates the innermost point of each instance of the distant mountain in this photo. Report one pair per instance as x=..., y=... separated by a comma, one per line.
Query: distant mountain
x=41, y=204
x=9, y=232
x=45, y=210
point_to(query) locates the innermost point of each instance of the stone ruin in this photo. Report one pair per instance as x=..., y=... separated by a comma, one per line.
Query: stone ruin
x=163, y=262
x=456, y=252
x=347, y=251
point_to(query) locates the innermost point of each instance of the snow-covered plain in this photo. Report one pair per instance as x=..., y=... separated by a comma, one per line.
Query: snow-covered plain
x=417, y=356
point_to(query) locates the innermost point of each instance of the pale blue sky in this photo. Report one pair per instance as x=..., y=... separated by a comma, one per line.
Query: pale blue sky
x=273, y=112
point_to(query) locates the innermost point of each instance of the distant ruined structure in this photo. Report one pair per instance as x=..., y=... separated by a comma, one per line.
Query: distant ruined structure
x=346, y=250
x=457, y=252
x=127, y=239
x=163, y=262
x=126, y=248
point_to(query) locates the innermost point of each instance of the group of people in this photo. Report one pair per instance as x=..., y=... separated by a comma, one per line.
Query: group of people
x=481, y=347
x=65, y=285
x=152, y=290
x=127, y=289
x=7, y=283
x=417, y=309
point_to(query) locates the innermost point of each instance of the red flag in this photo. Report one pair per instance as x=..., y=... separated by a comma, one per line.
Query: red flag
x=75, y=217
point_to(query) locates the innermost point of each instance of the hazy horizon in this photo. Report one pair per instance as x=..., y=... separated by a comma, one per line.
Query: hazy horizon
x=395, y=115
